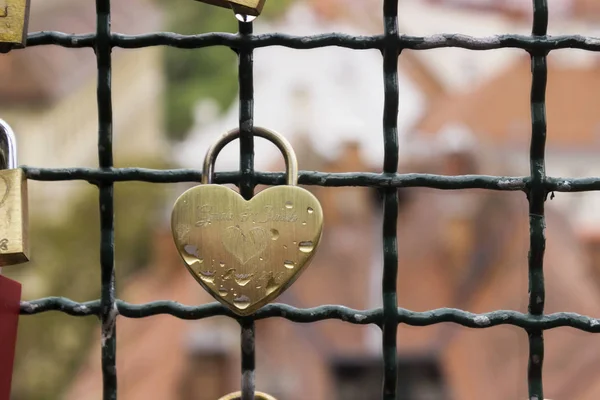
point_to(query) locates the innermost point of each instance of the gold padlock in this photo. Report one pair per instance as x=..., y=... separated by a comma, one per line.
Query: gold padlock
x=14, y=247
x=246, y=253
x=14, y=18
x=241, y=7
x=257, y=396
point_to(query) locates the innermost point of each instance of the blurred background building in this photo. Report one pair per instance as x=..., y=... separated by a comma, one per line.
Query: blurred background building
x=49, y=96
x=461, y=112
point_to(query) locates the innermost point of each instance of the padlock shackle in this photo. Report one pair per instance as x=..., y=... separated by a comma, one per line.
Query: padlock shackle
x=8, y=146
x=257, y=396
x=291, y=162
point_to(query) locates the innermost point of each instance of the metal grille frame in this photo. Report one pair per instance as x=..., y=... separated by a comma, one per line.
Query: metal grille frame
x=537, y=186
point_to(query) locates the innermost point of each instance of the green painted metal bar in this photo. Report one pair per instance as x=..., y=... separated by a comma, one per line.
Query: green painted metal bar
x=537, y=197
x=108, y=311
x=391, y=52
x=322, y=313
x=232, y=40
x=316, y=178
x=247, y=185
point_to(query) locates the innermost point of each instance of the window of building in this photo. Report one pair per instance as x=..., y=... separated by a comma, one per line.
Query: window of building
x=361, y=379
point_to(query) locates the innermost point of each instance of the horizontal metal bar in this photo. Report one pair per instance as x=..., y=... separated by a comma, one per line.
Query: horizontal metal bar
x=315, y=178
x=321, y=313
x=525, y=42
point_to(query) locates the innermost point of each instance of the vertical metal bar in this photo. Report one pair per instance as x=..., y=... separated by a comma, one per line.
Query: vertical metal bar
x=246, y=185
x=537, y=197
x=246, y=87
x=390, y=201
x=108, y=312
x=248, y=359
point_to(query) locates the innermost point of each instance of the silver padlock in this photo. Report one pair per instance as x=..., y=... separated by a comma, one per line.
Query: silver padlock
x=14, y=216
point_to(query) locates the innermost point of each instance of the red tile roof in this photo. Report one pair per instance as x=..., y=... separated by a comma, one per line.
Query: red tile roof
x=498, y=111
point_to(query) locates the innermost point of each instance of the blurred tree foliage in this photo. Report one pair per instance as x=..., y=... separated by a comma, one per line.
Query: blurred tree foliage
x=211, y=72
x=65, y=262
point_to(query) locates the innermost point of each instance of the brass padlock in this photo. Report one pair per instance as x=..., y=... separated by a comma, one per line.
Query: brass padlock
x=240, y=7
x=246, y=253
x=14, y=247
x=14, y=17
x=257, y=396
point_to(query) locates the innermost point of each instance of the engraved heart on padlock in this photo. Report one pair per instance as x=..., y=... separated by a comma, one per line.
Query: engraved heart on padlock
x=246, y=253
x=245, y=246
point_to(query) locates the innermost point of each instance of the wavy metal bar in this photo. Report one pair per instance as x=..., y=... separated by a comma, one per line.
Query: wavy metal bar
x=108, y=310
x=362, y=179
x=389, y=281
x=524, y=42
x=537, y=196
x=247, y=185
x=321, y=313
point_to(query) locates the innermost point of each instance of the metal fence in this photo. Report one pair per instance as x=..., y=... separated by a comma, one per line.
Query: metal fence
x=537, y=186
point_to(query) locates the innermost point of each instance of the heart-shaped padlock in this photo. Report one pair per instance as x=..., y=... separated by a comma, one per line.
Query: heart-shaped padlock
x=246, y=253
